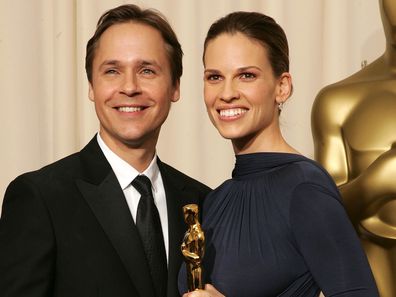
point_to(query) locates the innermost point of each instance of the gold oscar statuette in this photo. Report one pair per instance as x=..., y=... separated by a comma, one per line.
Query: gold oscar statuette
x=193, y=247
x=354, y=131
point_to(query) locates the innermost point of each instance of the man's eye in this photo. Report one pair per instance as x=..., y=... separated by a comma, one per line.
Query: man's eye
x=147, y=71
x=111, y=71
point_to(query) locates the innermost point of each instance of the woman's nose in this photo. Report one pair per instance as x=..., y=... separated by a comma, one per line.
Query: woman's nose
x=229, y=91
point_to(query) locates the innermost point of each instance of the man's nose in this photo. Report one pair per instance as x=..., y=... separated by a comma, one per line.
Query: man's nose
x=130, y=84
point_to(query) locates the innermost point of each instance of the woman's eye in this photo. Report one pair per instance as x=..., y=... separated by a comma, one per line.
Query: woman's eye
x=213, y=77
x=247, y=75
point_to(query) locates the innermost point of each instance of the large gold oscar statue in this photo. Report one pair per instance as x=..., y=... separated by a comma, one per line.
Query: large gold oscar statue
x=193, y=247
x=354, y=130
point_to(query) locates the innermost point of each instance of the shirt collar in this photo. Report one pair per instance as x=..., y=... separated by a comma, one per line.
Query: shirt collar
x=126, y=173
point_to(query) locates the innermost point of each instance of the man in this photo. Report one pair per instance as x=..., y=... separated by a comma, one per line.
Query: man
x=87, y=225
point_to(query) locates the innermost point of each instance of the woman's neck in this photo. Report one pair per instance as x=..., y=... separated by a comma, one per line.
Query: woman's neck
x=268, y=142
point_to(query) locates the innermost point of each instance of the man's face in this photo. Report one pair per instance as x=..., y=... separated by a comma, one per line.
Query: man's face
x=131, y=85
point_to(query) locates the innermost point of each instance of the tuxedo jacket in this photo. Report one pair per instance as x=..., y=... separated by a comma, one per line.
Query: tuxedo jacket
x=66, y=230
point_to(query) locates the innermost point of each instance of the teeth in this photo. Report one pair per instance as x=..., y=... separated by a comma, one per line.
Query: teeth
x=129, y=109
x=232, y=112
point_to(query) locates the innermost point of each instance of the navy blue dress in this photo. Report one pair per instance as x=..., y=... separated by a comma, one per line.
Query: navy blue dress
x=278, y=228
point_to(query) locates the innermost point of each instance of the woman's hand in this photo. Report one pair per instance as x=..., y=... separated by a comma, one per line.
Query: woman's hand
x=209, y=291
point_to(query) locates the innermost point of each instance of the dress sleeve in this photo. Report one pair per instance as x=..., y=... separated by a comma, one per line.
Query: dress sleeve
x=329, y=244
x=26, y=243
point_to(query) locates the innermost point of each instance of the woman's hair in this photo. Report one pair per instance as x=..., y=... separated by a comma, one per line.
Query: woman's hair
x=150, y=17
x=259, y=27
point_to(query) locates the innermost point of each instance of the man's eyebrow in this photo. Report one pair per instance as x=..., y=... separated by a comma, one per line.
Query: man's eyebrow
x=149, y=63
x=109, y=62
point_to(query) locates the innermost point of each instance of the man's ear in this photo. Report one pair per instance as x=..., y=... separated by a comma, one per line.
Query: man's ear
x=285, y=87
x=176, y=92
x=91, y=93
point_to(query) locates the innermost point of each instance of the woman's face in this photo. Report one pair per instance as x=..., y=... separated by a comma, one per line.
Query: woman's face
x=241, y=92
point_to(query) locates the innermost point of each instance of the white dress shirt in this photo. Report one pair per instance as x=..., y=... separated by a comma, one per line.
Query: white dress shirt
x=125, y=174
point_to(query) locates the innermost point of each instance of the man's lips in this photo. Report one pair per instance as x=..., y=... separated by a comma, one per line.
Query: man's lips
x=130, y=108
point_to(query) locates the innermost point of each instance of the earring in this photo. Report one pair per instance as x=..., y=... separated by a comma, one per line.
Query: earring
x=280, y=106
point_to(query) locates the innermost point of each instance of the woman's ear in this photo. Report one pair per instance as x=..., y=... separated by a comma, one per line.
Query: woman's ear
x=285, y=87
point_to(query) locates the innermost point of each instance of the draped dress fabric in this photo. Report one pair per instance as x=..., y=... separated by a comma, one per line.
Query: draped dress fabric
x=278, y=228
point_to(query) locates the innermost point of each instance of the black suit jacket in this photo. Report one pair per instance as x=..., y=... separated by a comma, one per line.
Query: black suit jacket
x=66, y=230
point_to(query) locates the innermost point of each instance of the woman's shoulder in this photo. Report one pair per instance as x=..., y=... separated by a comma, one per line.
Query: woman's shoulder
x=306, y=176
x=309, y=171
x=312, y=181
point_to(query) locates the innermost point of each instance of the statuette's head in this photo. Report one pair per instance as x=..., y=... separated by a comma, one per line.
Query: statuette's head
x=190, y=213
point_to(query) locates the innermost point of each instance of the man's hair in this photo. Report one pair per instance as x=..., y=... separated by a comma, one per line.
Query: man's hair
x=149, y=17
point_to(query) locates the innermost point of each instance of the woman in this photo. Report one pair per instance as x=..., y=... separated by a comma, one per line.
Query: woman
x=278, y=227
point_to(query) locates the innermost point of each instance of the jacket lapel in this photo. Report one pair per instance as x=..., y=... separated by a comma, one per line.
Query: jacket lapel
x=176, y=231
x=104, y=195
x=176, y=197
